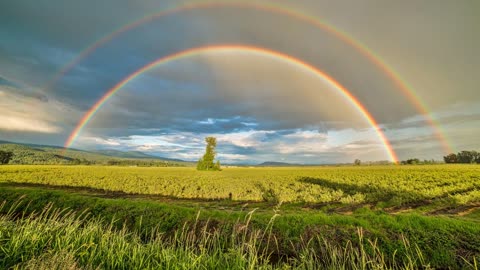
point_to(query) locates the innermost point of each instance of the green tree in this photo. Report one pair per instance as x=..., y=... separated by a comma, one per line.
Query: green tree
x=413, y=161
x=357, y=162
x=206, y=163
x=467, y=157
x=5, y=157
x=450, y=158
x=217, y=166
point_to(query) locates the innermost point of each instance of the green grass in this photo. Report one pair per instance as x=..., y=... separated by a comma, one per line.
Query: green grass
x=56, y=239
x=443, y=241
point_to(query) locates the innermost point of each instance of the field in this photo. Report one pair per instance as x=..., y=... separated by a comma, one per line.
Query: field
x=381, y=186
x=364, y=216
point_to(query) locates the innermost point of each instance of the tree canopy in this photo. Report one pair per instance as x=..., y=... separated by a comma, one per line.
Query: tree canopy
x=463, y=157
x=206, y=163
x=5, y=157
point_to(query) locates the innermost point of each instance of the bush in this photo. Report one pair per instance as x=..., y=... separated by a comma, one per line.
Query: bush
x=5, y=157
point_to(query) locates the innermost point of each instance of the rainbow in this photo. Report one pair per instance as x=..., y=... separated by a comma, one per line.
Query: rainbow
x=235, y=48
x=401, y=83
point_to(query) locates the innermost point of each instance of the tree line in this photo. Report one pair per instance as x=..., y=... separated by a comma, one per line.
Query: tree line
x=143, y=163
x=466, y=157
x=416, y=161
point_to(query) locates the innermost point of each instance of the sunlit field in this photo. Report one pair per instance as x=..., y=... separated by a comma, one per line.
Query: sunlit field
x=376, y=185
x=401, y=217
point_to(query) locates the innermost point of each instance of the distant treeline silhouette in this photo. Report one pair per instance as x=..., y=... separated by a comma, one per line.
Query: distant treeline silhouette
x=144, y=163
x=416, y=161
x=468, y=157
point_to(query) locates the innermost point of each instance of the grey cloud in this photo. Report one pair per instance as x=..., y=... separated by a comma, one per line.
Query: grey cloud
x=431, y=44
x=262, y=30
x=445, y=121
x=257, y=89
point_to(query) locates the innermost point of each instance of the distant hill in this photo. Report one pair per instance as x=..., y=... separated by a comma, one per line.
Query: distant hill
x=124, y=154
x=285, y=164
x=132, y=154
x=46, y=154
x=23, y=154
x=276, y=164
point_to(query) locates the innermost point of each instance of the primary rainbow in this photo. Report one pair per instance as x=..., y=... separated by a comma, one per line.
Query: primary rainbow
x=235, y=48
x=276, y=8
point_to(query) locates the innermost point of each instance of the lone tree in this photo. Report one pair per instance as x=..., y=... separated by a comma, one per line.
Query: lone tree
x=206, y=162
x=5, y=157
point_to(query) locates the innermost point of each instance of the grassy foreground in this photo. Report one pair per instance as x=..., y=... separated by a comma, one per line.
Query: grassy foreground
x=275, y=239
x=55, y=239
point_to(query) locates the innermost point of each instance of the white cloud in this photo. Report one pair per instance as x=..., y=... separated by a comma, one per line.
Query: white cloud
x=26, y=113
x=101, y=141
x=25, y=123
x=298, y=146
x=252, y=138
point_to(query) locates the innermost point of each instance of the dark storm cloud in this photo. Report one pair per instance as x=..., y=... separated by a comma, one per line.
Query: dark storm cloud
x=432, y=45
x=422, y=147
x=6, y=82
x=29, y=116
x=257, y=94
x=39, y=38
x=21, y=90
x=194, y=28
x=240, y=150
x=444, y=120
x=169, y=125
x=417, y=141
x=71, y=25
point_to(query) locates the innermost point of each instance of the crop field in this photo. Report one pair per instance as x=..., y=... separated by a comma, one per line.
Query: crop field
x=387, y=185
x=334, y=217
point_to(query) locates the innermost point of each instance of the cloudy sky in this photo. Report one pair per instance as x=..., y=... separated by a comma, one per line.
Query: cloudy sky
x=260, y=108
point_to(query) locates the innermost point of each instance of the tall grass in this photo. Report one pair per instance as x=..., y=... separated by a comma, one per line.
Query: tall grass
x=61, y=239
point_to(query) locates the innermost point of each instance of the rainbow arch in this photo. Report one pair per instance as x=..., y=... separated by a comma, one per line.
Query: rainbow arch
x=235, y=48
x=276, y=8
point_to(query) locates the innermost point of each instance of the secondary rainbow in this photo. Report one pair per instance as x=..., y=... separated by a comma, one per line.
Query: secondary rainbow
x=276, y=8
x=236, y=48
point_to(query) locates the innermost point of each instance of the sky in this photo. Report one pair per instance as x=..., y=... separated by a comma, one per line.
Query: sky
x=260, y=107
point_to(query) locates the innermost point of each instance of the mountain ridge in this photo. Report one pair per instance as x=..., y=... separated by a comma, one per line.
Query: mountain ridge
x=25, y=153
